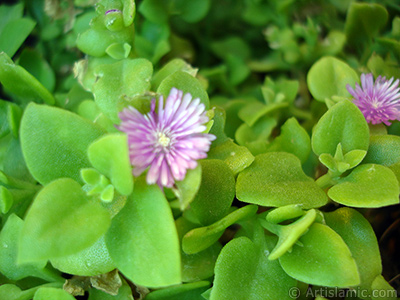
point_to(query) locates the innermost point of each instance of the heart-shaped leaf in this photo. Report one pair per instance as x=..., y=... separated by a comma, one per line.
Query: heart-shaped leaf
x=368, y=185
x=328, y=77
x=54, y=142
x=61, y=221
x=142, y=230
x=243, y=270
x=277, y=179
x=323, y=259
x=343, y=123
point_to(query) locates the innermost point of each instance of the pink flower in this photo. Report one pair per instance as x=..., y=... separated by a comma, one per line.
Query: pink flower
x=169, y=141
x=379, y=101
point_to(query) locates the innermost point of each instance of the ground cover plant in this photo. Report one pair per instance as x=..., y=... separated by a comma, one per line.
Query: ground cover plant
x=199, y=149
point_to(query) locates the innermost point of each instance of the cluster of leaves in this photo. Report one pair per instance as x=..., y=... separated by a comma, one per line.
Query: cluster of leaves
x=256, y=218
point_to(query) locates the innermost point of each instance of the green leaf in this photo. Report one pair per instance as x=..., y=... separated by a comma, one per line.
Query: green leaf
x=145, y=229
x=359, y=236
x=367, y=185
x=200, y=265
x=192, y=11
x=45, y=293
x=201, y=238
x=119, y=50
x=341, y=163
x=6, y=200
x=378, y=66
x=216, y=193
x=14, y=163
x=110, y=156
x=4, y=127
x=186, y=83
x=328, y=77
x=187, y=189
x=13, y=292
x=154, y=10
x=259, y=131
x=9, y=13
x=289, y=234
x=284, y=213
x=363, y=22
x=54, y=142
x=343, y=123
x=354, y=157
x=95, y=41
x=91, y=261
x=236, y=157
x=14, y=34
x=323, y=259
x=35, y=64
x=293, y=139
x=20, y=193
x=8, y=254
x=88, y=109
x=171, y=67
x=382, y=290
x=333, y=43
x=119, y=82
x=277, y=179
x=61, y=221
x=274, y=90
x=243, y=270
x=14, y=113
x=188, y=291
x=21, y=83
x=234, y=45
x=238, y=70
x=128, y=12
x=255, y=110
x=383, y=150
x=154, y=41
x=328, y=161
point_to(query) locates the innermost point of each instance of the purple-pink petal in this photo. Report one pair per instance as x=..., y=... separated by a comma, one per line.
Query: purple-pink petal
x=168, y=142
x=379, y=101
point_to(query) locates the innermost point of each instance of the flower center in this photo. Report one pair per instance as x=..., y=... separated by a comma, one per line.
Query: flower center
x=163, y=140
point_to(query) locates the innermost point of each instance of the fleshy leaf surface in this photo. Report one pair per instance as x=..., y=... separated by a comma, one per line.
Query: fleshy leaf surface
x=61, y=221
x=328, y=77
x=142, y=230
x=110, y=156
x=54, y=142
x=368, y=185
x=277, y=179
x=201, y=238
x=119, y=82
x=243, y=270
x=216, y=192
x=360, y=238
x=343, y=123
x=21, y=83
x=323, y=259
x=185, y=82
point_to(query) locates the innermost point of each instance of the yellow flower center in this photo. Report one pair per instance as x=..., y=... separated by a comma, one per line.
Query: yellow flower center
x=163, y=140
